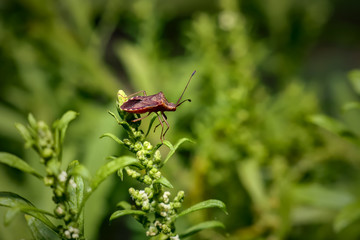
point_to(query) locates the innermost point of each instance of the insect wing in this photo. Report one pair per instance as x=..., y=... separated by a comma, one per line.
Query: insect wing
x=129, y=104
x=140, y=105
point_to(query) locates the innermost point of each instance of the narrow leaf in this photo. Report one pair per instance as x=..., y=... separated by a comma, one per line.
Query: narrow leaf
x=31, y=209
x=80, y=170
x=10, y=215
x=25, y=134
x=201, y=226
x=76, y=190
x=61, y=125
x=115, y=117
x=108, y=169
x=347, y=216
x=15, y=162
x=121, y=213
x=313, y=194
x=150, y=124
x=39, y=230
x=120, y=173
x=65, y=119
x=251, y=177
x=163, y=181
x=334, y=126
x=111, y=167
x=124, y=205
x=113, y=137
x=212, y=203
x=12, y=200
x=169, y=145
x=174, y=148
x=32, y=121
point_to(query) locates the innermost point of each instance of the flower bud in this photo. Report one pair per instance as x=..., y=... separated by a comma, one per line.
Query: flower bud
x=137, y=146
x=141, y=155
x=49, y=180
x=157, y=156
x=176, y=205
x=147, y=146
x=60, y=210
x=121, y=98
x=47, y=153
x=127, y=142
x=147, y=179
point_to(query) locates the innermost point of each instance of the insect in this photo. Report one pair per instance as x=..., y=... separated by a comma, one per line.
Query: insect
x=154, y=103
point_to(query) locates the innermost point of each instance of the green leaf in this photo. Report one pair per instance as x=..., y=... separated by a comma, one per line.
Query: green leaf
x=80, y=170
x=251, y=177
x=124, y=205
x=111, y=167
x=25, y=134
x=347, y=216
x=112, y=136
x=120, y=173
x=124, y=124
x=114, y=116
x=60, y=127
x=160, y=236
x=212, y=203
x=15, y=162
x=174, y=148
x=76, y=193
x=108, y=169
x=10, y=215
x=334, y=126
x=39, y=230
x=121, y=213
x=150, y=124
x=201, y=226
x=314, y=194
x=163, y=181
x=32, y=121
x=12, y=200
x=65, y=119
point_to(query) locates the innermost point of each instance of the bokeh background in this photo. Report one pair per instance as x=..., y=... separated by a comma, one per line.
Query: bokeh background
x=264, y=69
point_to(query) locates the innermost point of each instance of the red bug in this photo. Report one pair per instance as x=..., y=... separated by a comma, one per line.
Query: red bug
x=153, y=103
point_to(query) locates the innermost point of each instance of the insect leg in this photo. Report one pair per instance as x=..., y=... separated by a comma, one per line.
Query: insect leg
x=156, y=127
x=136, y=94
x=159, y=123
x=138, y=119
x=162, y=127
x=165, y=118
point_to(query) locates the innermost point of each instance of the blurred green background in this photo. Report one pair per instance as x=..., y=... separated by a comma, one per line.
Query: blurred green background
x=263, y=67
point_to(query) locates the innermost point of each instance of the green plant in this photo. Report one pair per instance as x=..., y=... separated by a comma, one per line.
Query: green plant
x=72, y=187
x=67, y=185
x=152, y=206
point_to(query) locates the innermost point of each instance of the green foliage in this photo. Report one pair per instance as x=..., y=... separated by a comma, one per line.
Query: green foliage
x=17, y=203
x=151, y=206
x=202, y=205
x=67, y=186
x=15, y=162
x=38, y=230
x=173, y=148
x=201, y=226
x=118, y=164
x=270, y=139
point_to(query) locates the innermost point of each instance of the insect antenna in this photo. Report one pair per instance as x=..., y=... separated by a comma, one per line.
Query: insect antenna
x=177, y=103
x=186, y=100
